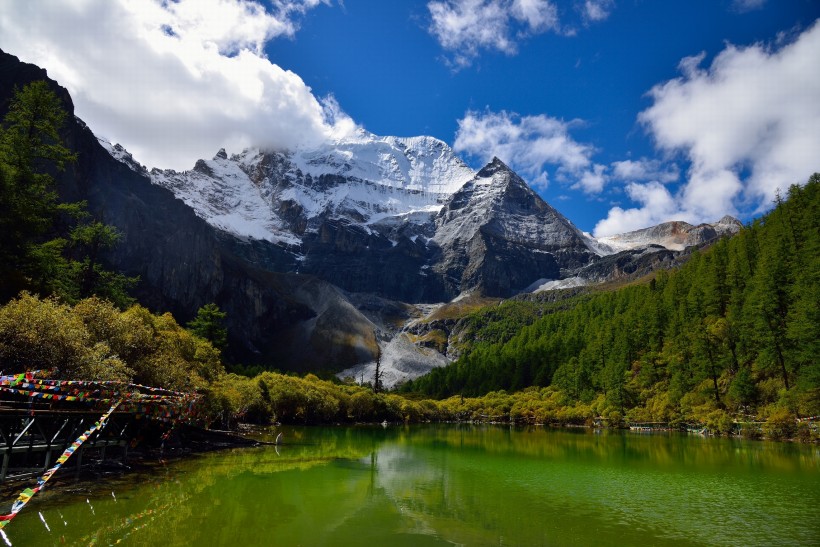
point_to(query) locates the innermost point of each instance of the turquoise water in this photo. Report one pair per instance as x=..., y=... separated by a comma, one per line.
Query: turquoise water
x=450, y=485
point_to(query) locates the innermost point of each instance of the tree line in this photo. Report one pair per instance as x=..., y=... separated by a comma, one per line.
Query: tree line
x=732, y=334
x=48, y=246
x=735, y=331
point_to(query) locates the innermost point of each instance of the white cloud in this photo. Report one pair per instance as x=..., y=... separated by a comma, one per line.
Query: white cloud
x=593, y=180
x=173, y=81
x=538, y=15
x=743, y=6
x=465, y=27
x=597, y=10
x=657, y=205
x=748, y=125
x=645, y=170
x=528, y=144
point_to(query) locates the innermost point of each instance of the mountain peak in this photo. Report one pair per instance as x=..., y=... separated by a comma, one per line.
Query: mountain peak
x=729, y=220
x=505, y=234
x=364, y=179
x=495, y=166
x=674, y=235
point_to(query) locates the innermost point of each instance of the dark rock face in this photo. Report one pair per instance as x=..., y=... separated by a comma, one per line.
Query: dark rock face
x=630, y=264
x=498, y=236
x=183, y=263
x=358, y=261
x=285, y=302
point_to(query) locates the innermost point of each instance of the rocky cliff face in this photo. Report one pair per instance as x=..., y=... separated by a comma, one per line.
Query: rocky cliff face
x=496, y=235
x=288, y=321
x=314, y=253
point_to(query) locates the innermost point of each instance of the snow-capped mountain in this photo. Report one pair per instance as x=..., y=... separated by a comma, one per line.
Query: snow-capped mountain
x=372, y=181
x=497, y=200
x=497, y=233
x=383, y=227
x=277, y=196
x=402, y=217
x=675, y=235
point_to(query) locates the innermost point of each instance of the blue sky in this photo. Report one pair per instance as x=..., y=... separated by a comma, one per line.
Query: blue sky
x=621, y=113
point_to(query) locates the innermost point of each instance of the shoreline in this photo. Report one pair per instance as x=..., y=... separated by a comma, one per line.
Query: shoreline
x=190, y=441
x=186, y=442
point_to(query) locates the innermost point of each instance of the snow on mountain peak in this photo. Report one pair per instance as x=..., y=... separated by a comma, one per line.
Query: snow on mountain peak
x=673, y=235
x=272, y=195
x=497, y=200
x=422, y=164
x=121, y=154
x=370, y=180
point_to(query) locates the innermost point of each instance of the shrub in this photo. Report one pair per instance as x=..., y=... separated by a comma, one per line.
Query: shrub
x=93, y=340
x=46, y=334
x=719, y=422
x=780, y=424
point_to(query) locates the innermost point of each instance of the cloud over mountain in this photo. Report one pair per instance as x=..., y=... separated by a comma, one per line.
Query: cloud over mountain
x=529, y=144
x=748, y=125
x=174, y=81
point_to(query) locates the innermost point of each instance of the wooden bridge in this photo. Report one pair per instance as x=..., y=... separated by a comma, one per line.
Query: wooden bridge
x=32, y=439
x=42, y=418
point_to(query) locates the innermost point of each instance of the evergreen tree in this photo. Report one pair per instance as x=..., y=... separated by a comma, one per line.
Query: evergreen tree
x=30, y=151
x=209, y=324
x=88, y=277
x=768, y=301
x=378, y=373
x=39, y=250
x=736, y=328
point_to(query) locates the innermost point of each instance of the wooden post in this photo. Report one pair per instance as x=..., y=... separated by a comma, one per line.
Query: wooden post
x=5, y=470
x=79, y=462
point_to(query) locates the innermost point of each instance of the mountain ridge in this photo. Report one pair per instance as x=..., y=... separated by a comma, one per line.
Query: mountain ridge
x=294, y=299
x=402, y=198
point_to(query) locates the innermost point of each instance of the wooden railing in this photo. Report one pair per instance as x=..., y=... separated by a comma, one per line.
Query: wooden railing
x=32, y=439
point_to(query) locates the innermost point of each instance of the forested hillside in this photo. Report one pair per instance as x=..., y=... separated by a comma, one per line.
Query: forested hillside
x=734, y=334
x=735, y=330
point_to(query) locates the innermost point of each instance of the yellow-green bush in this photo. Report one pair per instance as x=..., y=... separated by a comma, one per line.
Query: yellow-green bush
x=45, y=334
x=718, y=422
x=780, y=424
x=93, y=340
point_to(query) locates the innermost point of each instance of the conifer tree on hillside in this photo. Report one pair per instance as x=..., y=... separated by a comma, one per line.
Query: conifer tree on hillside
x=48, y=246
x=735, y=329
x=209, y=324
x=30, y=150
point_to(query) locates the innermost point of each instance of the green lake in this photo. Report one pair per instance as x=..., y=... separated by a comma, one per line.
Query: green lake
x=449, y=485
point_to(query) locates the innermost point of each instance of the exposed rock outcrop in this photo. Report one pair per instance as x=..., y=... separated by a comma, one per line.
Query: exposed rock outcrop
x=288, y=321
x=313, y=254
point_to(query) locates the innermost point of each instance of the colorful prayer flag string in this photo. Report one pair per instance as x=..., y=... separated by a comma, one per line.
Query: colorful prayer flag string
x=28, y=493
x=157, y=404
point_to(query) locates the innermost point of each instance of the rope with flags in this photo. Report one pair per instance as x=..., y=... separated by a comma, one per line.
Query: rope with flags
x=155, y=403
x=26, y=495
